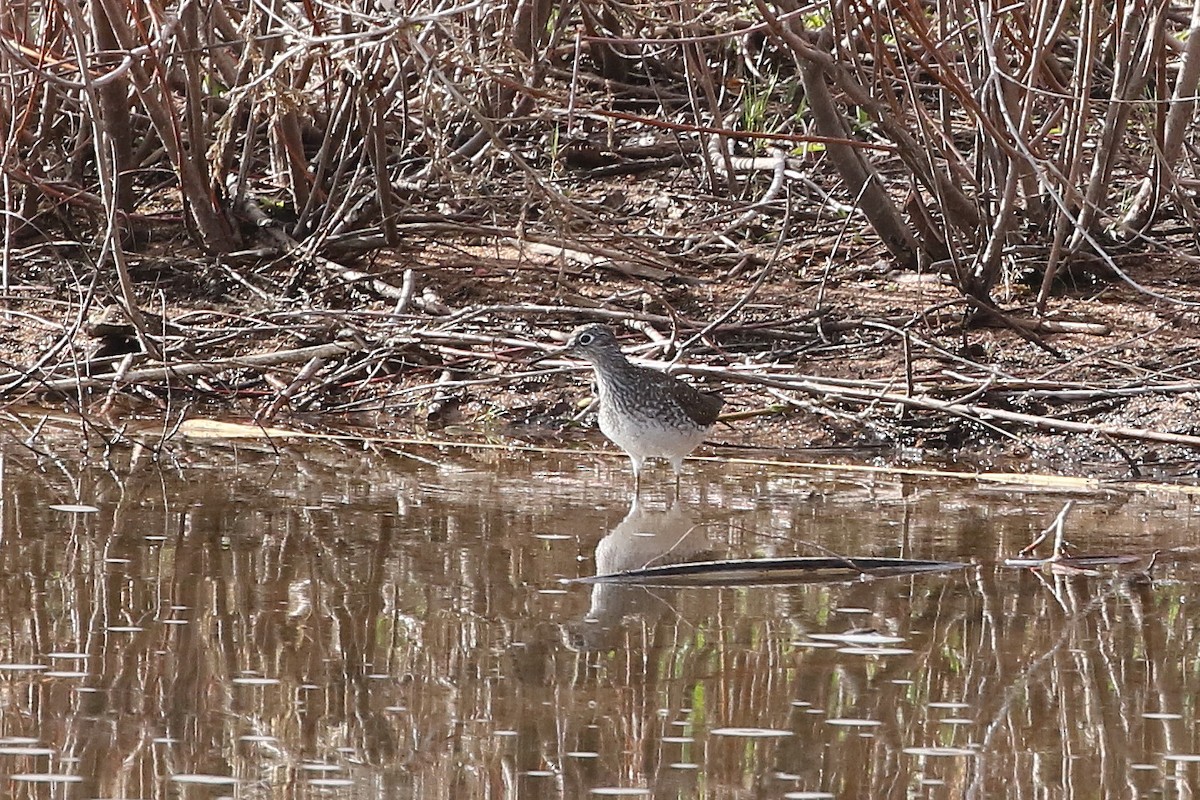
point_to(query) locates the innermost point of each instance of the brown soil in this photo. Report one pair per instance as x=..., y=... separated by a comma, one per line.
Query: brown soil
x=448, y=375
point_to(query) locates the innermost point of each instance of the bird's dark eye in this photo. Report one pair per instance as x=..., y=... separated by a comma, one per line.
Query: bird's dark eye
x=585, y=339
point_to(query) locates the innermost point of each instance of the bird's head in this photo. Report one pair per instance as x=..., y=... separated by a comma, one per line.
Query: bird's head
x=593, y=343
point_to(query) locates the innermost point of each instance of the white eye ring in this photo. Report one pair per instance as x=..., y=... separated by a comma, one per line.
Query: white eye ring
x=585, y=339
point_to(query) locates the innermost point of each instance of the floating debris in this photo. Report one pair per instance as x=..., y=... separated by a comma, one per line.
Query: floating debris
x=773, y=570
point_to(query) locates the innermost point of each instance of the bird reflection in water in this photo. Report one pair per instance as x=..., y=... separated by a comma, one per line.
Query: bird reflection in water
x=645, y=537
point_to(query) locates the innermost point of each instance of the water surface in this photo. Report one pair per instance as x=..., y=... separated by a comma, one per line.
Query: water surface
x=272, y=620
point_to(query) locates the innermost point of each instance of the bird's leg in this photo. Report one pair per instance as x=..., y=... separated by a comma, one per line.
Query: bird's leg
x=677, y=468
x=637, y=477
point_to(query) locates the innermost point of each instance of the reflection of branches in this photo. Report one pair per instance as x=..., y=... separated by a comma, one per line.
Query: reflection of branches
x=404, y=620
x=1076, y=688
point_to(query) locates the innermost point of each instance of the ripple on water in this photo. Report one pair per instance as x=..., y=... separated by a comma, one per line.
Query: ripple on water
x=45, y=777
x=859, y=637
x=204, y=779
x=875, y=651
x=751, y=733
x=939, y=752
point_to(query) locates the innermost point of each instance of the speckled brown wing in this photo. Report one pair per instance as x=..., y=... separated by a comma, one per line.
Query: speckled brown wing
x=703, y=408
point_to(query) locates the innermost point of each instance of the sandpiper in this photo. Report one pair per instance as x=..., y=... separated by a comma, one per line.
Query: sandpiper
x=646, y=413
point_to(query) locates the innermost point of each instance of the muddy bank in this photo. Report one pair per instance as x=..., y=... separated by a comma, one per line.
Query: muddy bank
x=807, y=361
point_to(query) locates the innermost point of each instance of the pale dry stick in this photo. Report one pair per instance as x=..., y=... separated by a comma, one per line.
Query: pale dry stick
x=714, y=156
x=118, y=377
x=573, y=85
x=828, y=271
x=1045, y=168
x=408, y=285
x=646, y=264
x=940, y=234
x=291, y=246
x=1067, y=214
x=432, y=65
x=589, y=254
x=751, y=212
x=905, y=331
x=977, y=413
x=370, y=109
x=1070, y=156
x=241, y=279
x=317, y=190
x=358, y=40
x=1077, y=395
x=340, y=216
x=129, y=56
x=257, y=49
x=1111, y=348
x=106, y=162
x=367, y=367
x=802, y=328
x=1058, y=526
x=197, y=368
x=157, y=100
x=767, y=269
x=958, y=207
x=1180, y=117
x=304, y=376
x=1010, y=112
x=493, y=380
x=866, y=414
x=86, y=292
x=984, y=272
x=1130, y=75
x=8, y=187
x=11, y=382
x=790, y=400
x=860, y=175
x=1051, y=19
x=375, y=112
x=196, y=81
x=439, y=336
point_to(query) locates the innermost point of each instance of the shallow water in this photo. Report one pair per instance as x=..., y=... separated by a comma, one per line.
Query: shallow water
x=318, y=621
